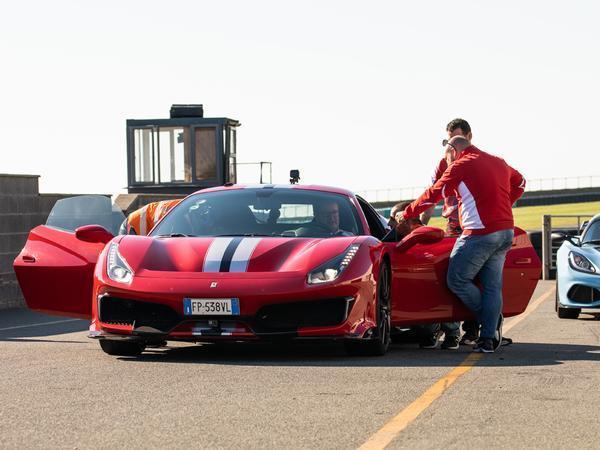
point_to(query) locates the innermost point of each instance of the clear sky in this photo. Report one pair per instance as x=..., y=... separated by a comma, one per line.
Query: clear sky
x=354, y=94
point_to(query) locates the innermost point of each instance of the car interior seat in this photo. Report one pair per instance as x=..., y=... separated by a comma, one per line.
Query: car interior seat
x=235, y=220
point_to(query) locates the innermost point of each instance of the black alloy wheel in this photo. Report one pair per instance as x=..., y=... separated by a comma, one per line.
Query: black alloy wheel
x=380, y=342
x=122, y=348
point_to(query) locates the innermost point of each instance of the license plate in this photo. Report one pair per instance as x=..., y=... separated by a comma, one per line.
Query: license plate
x=211, y=306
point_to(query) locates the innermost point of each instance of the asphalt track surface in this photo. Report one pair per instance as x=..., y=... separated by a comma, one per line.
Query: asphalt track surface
x=59, y=390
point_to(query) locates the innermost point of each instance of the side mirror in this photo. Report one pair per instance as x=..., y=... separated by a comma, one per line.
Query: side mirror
x=575, y=240
x=422, y=235
x=93, y=233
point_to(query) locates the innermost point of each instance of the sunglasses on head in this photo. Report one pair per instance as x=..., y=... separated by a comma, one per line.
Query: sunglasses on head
x=446, y=142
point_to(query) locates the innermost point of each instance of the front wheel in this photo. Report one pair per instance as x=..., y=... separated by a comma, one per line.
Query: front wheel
x=379, y=343
x=122, y=348
x=564, y=313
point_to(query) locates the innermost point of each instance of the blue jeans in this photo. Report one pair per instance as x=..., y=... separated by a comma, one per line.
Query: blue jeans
x=481, y=255
x=429, y=329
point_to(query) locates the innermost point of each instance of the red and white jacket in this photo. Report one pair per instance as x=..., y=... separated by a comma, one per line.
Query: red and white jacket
x=450, y=209
x=486, y=188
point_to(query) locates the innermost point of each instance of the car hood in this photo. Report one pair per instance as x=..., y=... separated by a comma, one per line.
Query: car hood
x=591, y=251
x=148, y=256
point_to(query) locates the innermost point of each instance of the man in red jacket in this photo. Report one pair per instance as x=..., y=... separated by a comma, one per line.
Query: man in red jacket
x=486, y=188
x=456, y=127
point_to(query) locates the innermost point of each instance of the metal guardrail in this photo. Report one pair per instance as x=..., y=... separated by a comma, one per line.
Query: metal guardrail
x=391, y=194
x=549, y=249
x=534, y=184
x=558, y=183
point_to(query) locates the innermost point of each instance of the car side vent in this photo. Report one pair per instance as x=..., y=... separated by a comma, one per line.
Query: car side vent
x=120, y=311
x=583, y=294
x=288, y=317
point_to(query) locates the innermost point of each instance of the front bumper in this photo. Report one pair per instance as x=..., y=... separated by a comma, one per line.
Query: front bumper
x=578, y=289
x=341, y=311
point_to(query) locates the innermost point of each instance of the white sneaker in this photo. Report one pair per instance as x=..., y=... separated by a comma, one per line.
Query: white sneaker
x=498, y=334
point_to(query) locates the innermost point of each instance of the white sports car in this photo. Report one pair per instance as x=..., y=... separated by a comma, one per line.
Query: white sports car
x=578, y=272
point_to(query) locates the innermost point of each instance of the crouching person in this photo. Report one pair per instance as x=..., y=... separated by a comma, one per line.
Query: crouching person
x=142, y=220
x=428, y=334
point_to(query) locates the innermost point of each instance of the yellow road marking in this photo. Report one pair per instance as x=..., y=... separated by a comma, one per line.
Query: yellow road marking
x=392, y=429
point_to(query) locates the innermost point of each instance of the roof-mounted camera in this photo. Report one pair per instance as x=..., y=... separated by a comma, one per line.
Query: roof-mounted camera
x=294, y=176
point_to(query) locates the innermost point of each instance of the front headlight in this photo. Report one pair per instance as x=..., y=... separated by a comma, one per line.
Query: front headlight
x=333, y=268
x=116, y=267
x=579, y=262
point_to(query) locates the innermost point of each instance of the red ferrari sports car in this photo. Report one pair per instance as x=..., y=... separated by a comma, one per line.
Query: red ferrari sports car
x=250, y=262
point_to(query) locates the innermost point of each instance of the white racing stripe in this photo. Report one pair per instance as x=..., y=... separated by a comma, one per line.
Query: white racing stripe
x=214, y=254
x=242, y=255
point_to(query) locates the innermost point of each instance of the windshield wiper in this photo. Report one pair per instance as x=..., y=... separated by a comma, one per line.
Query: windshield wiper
x=175, y=235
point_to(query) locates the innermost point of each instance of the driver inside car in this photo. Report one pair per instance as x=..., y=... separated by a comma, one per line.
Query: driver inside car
x=326, y=222
x=217, y=219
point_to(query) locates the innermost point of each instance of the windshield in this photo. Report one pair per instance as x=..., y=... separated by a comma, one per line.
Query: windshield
x=592, y=233
x=262, y=212
x=74, y=212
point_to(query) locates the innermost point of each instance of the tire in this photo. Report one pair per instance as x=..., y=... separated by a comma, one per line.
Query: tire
x=565, y=313
x=568, y=313
x=379, y=344
x=122, y=348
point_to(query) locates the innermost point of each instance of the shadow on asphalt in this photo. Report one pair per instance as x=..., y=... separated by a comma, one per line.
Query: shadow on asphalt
x=22, y=324
x=333, y=355
x=26, y=334
x=53, y=341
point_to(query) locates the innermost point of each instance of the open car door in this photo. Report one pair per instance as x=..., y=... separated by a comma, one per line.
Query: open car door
x=419, y=267
x=55, y=268
x=522, y=270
